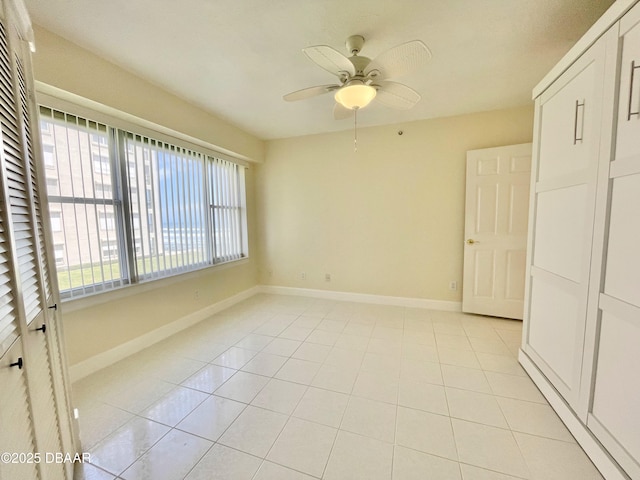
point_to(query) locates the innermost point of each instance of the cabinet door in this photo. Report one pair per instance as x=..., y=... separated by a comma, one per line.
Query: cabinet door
x=615, y=417
x=569, y=123
x=628, y=128
x=15, y=420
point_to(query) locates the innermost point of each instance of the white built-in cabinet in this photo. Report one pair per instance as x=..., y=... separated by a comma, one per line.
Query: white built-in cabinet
x=35, y=410
x=581, y=340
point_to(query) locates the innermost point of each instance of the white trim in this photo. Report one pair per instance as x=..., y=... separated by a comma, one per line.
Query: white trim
x=594, y=450
x=365, y=298
x=104, y=359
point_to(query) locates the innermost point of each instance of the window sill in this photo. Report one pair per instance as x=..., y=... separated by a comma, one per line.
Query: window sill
x=74, y=304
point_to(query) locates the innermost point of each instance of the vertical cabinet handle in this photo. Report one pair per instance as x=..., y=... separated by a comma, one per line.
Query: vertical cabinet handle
x=17, y=364
x=630, y=111
x=579, y=113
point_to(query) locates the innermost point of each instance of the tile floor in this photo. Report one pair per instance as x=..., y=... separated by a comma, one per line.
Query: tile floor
x=294, y=388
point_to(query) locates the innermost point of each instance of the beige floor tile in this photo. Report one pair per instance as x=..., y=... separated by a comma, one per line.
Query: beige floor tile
x=264, y=364
x=514, y=386
x=355, y=457
x=209, y=378
x=172, y=457
x=380, y=387
x=223, y=463
x=343, y=358
x=423, y=396
x=212, y=417
x=465, y=378
x=86, y=471
x=420, y=371
x=387, y=365
x=298, y=371
x=370, y=418
x=456, y=342
x=534, y=418
x=123, y=447
x=555, y=460
x=475, y=407
x=280, y=396
x=174, y=406
x=500, y=363
x=470, y=472
x=489, y=447
x=254, y=342
x=303, y=446
x=334, y=378
x=322, y=406
x=294, y=332
x=254, y=431
x=282, y=346
x=410, y=464
x=312, y=352
x=352, y=342
x=426, y=432
x=242, y=387
x=423, y=353
x=323, y=337
x=458, y=358
x=98, y=421
x=234, y=358
x=272, y=471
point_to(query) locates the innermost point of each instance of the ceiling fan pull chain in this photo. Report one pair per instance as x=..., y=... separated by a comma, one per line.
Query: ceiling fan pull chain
x=355, y=129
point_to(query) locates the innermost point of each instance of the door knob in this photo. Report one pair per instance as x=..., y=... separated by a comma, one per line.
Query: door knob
x=471, y=241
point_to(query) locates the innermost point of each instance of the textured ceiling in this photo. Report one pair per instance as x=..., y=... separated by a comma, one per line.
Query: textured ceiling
x=237, y=58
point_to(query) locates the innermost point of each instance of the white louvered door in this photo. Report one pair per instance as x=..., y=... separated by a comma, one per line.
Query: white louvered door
x=35, y=410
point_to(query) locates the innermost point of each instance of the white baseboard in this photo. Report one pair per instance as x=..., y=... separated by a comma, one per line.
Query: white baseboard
x=104, y=359
x=594, y=450
x=365, y=298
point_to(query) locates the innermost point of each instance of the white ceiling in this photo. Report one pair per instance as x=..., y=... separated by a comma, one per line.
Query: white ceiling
x=237, y=58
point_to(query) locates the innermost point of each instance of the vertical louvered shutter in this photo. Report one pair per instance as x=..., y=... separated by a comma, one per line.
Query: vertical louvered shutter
x=37, y=399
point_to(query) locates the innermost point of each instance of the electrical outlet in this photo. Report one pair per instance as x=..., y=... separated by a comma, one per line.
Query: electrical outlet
x=303, y=276
x=327, y=277
x=453, y=285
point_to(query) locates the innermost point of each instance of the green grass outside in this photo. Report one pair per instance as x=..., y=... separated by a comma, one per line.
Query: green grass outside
x=79, y=276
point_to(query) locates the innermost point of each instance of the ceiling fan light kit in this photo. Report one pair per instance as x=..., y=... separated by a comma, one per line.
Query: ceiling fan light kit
x=355, y=95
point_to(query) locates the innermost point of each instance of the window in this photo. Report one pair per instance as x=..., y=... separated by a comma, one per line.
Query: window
x=49, y=156
x=154, y=210
x=58, y=251
x=56, y=221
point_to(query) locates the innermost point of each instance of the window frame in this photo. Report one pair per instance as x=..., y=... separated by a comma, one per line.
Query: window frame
x=119, y=168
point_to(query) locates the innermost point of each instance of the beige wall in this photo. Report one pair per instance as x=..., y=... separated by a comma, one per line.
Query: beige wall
x=387, y=220
x=95, y=329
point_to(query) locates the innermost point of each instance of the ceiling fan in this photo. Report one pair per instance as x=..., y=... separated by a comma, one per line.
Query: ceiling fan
x=362, y=79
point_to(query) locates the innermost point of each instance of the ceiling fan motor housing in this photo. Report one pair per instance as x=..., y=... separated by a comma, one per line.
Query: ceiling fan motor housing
x=354, y=44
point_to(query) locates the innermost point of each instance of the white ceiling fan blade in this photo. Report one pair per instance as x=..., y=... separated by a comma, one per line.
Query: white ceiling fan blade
x=309, y=92
x=340, y=112
x=330, y=59
x=400, y=60
x=397, y=95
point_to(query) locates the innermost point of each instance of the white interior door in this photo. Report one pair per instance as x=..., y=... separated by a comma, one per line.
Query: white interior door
x=496, y=218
